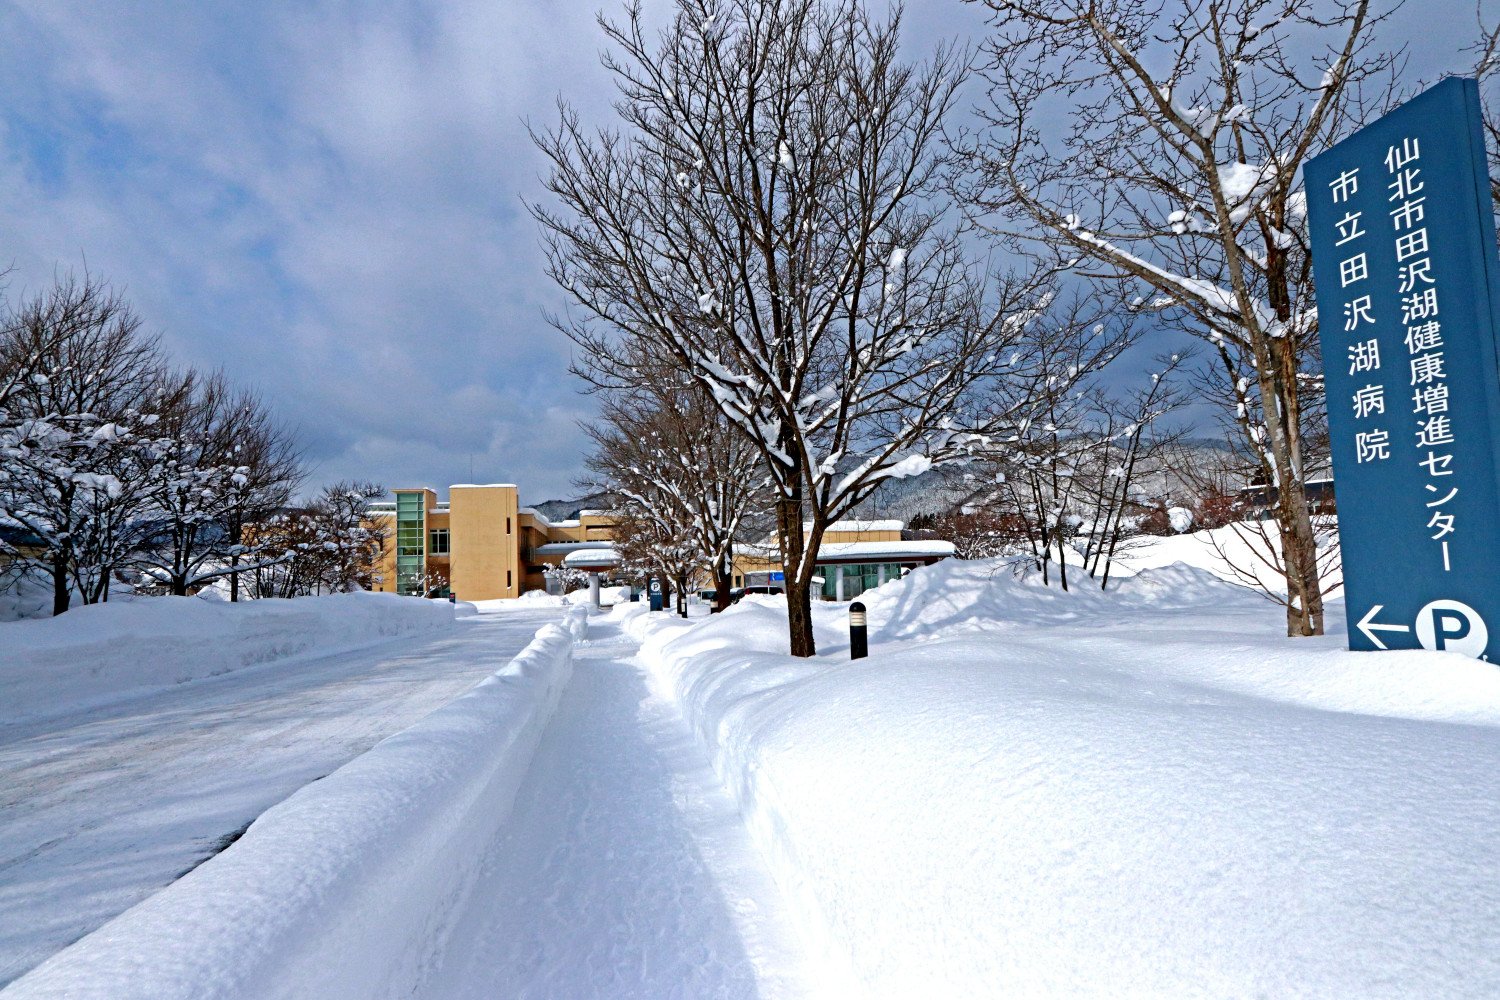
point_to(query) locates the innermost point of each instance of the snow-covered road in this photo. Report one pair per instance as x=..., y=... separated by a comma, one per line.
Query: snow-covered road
x=100, y=809
x=626, y=870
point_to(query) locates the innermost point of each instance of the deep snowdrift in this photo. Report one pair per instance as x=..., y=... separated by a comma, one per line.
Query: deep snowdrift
x=1151, y=793
x=347, y=889
x=103, y=652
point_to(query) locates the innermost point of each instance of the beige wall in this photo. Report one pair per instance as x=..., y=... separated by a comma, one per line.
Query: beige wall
x=481, y=549
x=485, y=561
x=862, y=536
x=385, y=567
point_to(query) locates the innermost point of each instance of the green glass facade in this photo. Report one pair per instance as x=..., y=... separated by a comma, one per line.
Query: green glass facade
x=411, y=516
x=858, y=578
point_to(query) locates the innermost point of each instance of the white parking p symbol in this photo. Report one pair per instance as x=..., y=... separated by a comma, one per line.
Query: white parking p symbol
x=1452, y=626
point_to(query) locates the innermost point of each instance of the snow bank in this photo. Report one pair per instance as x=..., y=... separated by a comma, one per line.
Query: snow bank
x=608, y=596
x=103, y=652
x=23, y=597
x=1232, y=553
x=1028, y=793
x=349, y=887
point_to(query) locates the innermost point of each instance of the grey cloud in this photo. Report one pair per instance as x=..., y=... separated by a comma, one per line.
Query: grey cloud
x=326, y=199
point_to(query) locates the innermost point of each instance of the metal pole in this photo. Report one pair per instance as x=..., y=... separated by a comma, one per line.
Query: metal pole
x=859, y=646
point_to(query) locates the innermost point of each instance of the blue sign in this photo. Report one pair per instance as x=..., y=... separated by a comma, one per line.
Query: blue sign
x=1403, y=248
x=778, y=577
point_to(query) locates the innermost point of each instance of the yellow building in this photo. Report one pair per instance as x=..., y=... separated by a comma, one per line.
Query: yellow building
x=481, y=544
x=855, y=556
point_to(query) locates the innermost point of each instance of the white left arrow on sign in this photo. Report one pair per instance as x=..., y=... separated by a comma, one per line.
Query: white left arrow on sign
x=1369, y=628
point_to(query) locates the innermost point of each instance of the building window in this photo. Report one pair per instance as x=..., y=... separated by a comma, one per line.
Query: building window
x=410, y=558
x=507, y=579
x=438, y=542
x=507, y=525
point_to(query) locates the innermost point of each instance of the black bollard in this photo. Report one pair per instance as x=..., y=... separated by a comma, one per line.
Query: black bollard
x=859, y=646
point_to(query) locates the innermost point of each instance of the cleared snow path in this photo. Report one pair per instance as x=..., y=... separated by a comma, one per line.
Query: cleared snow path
x=626, y=870
x=100, y=809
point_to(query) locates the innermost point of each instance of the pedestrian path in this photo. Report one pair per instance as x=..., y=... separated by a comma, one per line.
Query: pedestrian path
x=626, y=870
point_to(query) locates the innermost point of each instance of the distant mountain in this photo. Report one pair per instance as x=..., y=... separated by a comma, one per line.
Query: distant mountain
x=943, y=489
x=567, y=510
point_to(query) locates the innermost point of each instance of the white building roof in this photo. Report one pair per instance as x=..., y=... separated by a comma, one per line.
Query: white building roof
x=546, y=521
x=887, y=551
x=869, y=551
x=564, y=548
x=592, y=557
x=540, y=517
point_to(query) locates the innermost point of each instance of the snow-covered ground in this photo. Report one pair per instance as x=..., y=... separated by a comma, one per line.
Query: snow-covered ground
x=101, y=653
x=626, y=871
x=1021, y=792
x=102, y=806
x=1149, y=793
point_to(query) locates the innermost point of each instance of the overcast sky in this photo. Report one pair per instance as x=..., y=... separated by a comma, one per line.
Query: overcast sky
x=324, y=198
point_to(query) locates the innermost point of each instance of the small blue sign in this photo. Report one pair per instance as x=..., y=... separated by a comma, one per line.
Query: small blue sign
x=1403, y=248
x=778, y=577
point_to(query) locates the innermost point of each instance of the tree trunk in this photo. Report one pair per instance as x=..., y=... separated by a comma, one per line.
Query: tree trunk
x=1304, y=612
x=60, y=595
x=723, y=583
x=798, y=582
x=1299, y=548
x=799, y=616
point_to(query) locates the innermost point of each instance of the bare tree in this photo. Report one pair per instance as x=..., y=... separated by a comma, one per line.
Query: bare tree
x=1131, y=440
x=1061, y=479
x=771, y=217
x=216, y=460
x=330, y=546
x=268, y=471
x=651, y=543
x=349, y=540
x=672, y=460
x=74, y=454
x=1487, y=72
x=1183, y=130
x=975, y=533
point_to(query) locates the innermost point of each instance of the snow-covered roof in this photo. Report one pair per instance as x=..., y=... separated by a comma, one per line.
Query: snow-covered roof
x=589, y=557
x=548, y=522
x=893, y=551
x=563, y=548
x=540, y=517
x=483, y=486
x=885, y=550
x=595, y=513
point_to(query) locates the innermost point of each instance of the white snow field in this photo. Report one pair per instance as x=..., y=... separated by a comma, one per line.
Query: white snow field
x=1021, y=793
x=1149, y=793
x=626, y=870
x=102, y=805
x=103, y=652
